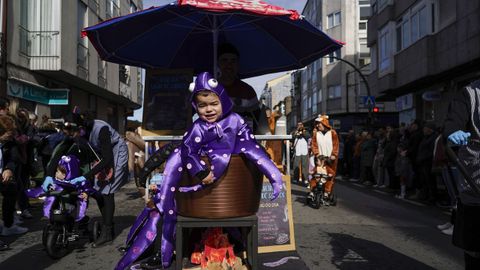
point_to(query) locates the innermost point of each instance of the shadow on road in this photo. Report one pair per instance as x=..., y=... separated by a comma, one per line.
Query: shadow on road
x=35, y=257
x=350, y=252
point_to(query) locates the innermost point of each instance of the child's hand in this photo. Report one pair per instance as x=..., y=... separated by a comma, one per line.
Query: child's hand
x=150, y=203
x=153, y=187
x=208, y=180
x=84, y=196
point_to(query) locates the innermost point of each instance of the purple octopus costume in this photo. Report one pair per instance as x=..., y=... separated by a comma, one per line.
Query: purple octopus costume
x=218, y=141
x=72, y=168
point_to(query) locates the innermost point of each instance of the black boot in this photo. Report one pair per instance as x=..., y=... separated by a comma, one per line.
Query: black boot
x=106, y=236
x=154, y=262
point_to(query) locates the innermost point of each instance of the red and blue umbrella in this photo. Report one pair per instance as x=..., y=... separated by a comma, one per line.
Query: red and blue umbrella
x=185, y=34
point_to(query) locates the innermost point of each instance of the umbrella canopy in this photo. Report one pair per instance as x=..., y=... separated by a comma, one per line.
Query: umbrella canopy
x=186, y=34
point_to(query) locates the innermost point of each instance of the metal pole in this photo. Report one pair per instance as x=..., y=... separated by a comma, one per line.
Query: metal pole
x=369, y=120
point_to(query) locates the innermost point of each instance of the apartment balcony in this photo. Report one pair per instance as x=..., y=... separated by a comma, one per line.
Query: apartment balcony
x=82, y=61
x=41, y=47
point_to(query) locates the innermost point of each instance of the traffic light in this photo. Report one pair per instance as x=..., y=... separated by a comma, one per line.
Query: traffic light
x=376, y=109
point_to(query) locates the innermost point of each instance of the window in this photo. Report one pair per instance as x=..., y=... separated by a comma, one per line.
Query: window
x=309, y=102
x=334, y=91
x=385, y=48
x=334, y=19
x=313, y=70
x=364, y=13
x=320, y=96
x=133, y=7
x=314, y=100
x=414, y=25
x=362, y=26
x=39, y=27
x=331, y=56
x=113, y=9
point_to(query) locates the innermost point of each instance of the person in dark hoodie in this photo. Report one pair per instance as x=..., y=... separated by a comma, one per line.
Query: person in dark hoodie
x=424, y=159
x=9, y=158
x=462, y=128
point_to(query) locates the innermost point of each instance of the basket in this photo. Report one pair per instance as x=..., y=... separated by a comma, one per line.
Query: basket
x=235, y=194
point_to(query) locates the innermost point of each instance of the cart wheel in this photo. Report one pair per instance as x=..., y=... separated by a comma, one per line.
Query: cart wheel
x=56, y=243
x=317, y=201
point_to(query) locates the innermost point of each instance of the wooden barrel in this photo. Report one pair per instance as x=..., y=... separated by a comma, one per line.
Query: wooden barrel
x=235, y=194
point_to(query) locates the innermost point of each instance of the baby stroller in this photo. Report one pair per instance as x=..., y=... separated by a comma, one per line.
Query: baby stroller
x=465, y=189
x=316, y=197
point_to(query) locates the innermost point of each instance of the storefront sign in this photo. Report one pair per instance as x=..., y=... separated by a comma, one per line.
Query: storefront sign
x=37, y=93
x=275, y=219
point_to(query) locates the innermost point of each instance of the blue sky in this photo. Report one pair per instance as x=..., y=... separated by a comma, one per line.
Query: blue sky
x=256, y=82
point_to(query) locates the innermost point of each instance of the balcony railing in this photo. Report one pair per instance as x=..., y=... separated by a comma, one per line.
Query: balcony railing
x=82, y=61
x=42, y=47
x=112, y=9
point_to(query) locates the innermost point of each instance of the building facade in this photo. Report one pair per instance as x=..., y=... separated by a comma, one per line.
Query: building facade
x=332, y=86
x=276, y=90
x=425, y=50
x=48, y=67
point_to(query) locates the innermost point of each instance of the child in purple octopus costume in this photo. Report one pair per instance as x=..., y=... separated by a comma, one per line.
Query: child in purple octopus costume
x=68, y=168
x=217, y=133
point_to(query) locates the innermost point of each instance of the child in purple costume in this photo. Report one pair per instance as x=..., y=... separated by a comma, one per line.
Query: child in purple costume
x=217, y=133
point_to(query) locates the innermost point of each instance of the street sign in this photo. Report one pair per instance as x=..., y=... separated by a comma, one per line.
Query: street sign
x=369, y=101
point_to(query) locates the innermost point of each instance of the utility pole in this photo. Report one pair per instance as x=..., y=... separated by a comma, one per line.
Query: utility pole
x=369, y=119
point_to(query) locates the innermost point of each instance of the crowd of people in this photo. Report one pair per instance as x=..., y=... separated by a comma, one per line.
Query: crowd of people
x=400, y=159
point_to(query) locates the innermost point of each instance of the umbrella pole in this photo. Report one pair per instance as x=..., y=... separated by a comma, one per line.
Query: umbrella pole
x=215, y=46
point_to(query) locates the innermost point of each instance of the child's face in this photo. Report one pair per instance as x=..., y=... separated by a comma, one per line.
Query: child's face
x=60, y=175
x=209, y=107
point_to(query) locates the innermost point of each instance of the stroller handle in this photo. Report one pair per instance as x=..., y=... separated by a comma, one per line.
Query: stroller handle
x=452, y=156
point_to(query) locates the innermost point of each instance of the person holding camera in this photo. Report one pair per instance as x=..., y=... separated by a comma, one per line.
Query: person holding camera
x=300, y=147
x=325, y=143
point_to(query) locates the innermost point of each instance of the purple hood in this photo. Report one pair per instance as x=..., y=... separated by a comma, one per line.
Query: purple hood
x=205, y=81
x=71, y=165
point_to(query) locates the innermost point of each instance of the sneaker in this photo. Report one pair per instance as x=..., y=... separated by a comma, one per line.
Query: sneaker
x=367, y=183
x=26, y=214
x=14, y=229
x=448, y=231
x=310, y=195
x=444, y=226
x=400, y=196
x=382, y=186
x=354, y=179
x=375, y=186
x=3, y=246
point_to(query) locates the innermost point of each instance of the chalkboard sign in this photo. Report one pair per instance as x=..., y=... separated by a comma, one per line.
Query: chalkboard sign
x=166, y=107
x=275, y=219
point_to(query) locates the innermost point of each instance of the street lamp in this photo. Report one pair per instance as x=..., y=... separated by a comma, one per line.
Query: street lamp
x=369, y=119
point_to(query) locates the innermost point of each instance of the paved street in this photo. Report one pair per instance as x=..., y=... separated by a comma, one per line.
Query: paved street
x=367, y=230
x=372, y=230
